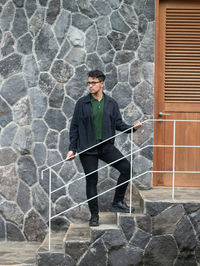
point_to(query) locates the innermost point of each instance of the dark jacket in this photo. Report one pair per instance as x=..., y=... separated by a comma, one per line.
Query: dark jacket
x=82, y=134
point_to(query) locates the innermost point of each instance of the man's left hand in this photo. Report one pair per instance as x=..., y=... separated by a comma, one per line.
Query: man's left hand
x=137, y=125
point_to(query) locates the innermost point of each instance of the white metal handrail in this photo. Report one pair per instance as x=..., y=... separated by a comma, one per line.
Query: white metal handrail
x=174, y=146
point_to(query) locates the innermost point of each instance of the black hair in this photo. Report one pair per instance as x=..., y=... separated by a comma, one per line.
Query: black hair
x=97, y=74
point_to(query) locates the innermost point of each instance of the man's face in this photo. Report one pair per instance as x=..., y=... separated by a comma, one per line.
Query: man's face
x=94, y=85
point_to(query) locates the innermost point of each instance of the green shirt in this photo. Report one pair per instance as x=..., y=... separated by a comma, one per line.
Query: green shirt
x=98, y=111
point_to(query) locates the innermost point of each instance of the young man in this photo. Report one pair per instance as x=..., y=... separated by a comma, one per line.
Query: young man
x=95, y=119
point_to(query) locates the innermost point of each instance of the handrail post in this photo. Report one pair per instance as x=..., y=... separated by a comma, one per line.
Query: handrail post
x=49, y=209
x=131, y=173
x=174, y=150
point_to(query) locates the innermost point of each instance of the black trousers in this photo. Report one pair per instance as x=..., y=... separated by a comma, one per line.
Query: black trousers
x=107, y=153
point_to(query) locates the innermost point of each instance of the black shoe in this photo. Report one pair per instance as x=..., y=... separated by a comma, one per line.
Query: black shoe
x=94, y=220
x=121, y=206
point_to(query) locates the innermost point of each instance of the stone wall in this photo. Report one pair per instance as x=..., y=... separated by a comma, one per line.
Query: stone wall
x=46, y=50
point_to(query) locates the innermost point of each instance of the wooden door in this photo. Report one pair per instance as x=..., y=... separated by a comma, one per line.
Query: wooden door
x=177, y=91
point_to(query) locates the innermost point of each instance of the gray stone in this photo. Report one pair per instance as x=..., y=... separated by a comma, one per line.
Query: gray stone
x=96, y=252
x=129, y=15
x=34, y=227
x=38, y=102
x=140, y=239
x=197, y=253
x=24, y=197
x=2, y=229
x=37, y=21
x=186, y=258
x=142, y=26
x=105, y=200
x=132, y=41
x=144, y=223
x=131, y=114
x=7, y=134
x=46, y=83
x=9, y=182
x=76, y=57
x=76, y=249
x=118, y=24
x=63, y=203
x=64, y=143
x=127, y=223
x=148, y=72
x=103, y=26
x=125, y=256
x=24, y=44
x=67, y=172
x=14, y=233
x=143, y=134
x=116, y=39
x=60, y=224
x=111, y=79
x=23, y=140
x=143, y=96
x=102, y=7
x=103, y=46
x=122, y=93
x=108, y=57
x=39, y=153
x=13, y=89
x=62, y=25
x=55, y=119
x=46, y=48
x=52, y=140
x=195, y=220
x=30, y=7
x=185, y=235
x=115, y=4
x=123, y=57
x=10, y=65
x=75, y=36
x=53, y=11
x=19, y=3
x=31, y=71
x=114, y=239
x=43, y=2
x=70, y=5
x=7, y=16
x=22, y=112
x=5, y=113
x=40, y=201
x=191, y=207
x=77, y=85
x=68, y=107
x=139, y=5
x=11, y=212
x=57, y=183
x=155, y=253
x=64, y=49
x=91, y=39
x=56, y=96
x=55, y=258
x=77, y=191
x=81, y=21
x=94, y=62
x=27, y=170
x=146, y=49
x=166, y=222
x=53, y=157
x=148, y=151
x=154, y=208
x=86, y=8
x=19, y=24
x=7, y=156
x=149, y=10
x=8, y=43
x=123, y=73
x=136, y=73
x=141, y=165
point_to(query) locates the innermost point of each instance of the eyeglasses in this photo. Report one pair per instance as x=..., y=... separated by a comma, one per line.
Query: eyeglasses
x=92, y=83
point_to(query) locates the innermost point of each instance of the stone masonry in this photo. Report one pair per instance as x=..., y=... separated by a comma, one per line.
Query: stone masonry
x=46, y=49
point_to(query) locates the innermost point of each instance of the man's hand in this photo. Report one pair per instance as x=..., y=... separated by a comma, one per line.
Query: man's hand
x=70, y=155
x=137, y=125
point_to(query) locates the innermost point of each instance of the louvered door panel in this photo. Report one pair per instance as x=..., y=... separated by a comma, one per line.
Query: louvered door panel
x=182, y=55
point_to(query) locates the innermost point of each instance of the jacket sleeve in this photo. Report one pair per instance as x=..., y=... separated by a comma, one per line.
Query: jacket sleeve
x=73, y=133
x=120, y=125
